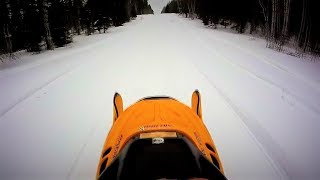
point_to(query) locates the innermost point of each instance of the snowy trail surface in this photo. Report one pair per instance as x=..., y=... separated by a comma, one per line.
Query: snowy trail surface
x=261, y=107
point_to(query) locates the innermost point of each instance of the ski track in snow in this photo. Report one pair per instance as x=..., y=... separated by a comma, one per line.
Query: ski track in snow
x=35, y=91
x=286, y=92
x=77, y=159
x=34, y=65
x=270, y=62
x=258, y=133
x=162, y=55
x=271, y=149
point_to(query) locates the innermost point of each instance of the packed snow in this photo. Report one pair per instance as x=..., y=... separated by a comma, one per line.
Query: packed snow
x=261, y=106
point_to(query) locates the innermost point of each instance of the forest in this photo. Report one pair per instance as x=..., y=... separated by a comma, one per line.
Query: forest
x=291, y=23
x=36, y=25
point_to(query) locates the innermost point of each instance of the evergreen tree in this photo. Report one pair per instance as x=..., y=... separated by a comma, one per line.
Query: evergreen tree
x=35, y=25
x=280, y=20
x=58, y=23
x=33, y=22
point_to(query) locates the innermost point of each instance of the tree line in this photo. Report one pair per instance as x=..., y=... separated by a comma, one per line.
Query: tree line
x=34, y=25
x=282, y=22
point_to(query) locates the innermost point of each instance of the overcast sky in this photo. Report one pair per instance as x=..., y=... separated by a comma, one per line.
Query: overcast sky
x=157, y=5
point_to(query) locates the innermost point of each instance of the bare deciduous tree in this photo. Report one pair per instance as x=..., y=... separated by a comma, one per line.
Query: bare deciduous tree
x=304, y=33
x=265, y=11
x=286, y=17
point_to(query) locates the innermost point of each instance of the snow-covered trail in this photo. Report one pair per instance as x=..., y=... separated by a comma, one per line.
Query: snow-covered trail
x=261, y=107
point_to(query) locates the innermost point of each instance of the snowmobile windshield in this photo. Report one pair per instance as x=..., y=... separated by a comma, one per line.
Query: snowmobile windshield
x=162, y=158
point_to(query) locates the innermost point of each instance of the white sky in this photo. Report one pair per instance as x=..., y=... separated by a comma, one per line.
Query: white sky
x=157, y=5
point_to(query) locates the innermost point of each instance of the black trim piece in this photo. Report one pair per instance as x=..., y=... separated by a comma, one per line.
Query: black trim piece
x=210, y=147
x=106, y=152
x=198, y=104
x=215, y=161
x=124, y=165
x=111, y=172
x=103, y=166
x=114, y=103
x=156, y=98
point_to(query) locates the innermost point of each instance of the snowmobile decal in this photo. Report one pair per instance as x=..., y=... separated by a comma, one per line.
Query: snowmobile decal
x=153, y=126
x=117, y=146
x=158, y=134
x=200, y=143
x=157, y=140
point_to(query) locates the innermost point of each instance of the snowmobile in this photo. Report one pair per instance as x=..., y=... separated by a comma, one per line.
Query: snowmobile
x=159, y=138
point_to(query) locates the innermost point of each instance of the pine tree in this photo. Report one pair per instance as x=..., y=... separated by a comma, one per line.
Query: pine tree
x=33, y=22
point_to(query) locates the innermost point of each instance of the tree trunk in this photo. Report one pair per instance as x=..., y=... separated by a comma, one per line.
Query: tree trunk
x=266, y=19
x=302, y=25
x=304, y=32
x=193, y=8
x=189, y=7
x=179, y=6
x=278, y=26
x=77, y=18
x=273, y=21
x=7, y=37
x=308, y=28
x=47, y=33
x=264, y=11
x=286, y=18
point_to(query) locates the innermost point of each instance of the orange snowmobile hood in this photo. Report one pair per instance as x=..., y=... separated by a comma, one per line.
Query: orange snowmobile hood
x=158, y=117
